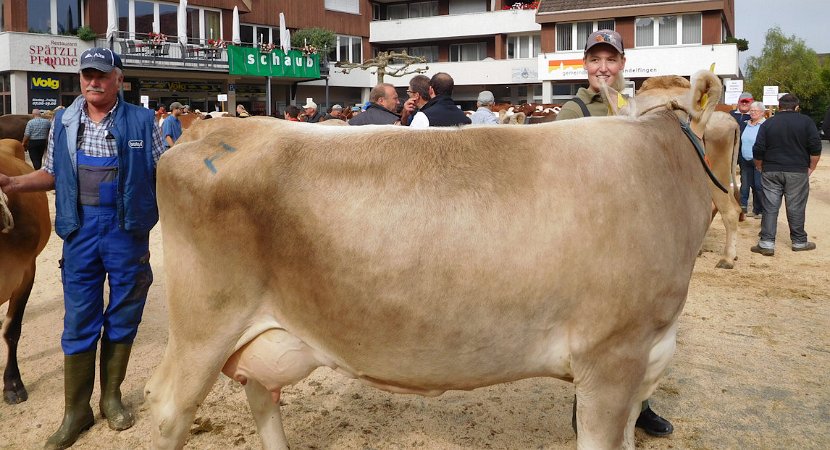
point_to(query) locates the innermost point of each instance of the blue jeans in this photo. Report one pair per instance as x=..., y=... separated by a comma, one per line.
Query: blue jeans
x=751, y=178
x=793, y=186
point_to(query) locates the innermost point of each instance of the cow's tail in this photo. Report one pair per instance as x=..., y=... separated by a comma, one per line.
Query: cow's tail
x=736, y=151
x=6, y=219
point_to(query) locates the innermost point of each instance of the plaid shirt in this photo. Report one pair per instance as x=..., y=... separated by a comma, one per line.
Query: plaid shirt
x=95, y=142
x=37, y=128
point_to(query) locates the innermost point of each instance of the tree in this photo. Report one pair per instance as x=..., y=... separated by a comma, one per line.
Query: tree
x=387, y=64
x=788, y=63
x=319, y=38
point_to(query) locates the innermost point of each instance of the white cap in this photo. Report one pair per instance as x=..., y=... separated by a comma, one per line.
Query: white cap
x=309, y=103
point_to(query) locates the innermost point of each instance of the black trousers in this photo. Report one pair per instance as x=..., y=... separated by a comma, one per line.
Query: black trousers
x=37, y=147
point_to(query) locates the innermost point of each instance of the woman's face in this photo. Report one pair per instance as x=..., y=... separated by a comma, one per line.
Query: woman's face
x=603, y=63
x=755, y=113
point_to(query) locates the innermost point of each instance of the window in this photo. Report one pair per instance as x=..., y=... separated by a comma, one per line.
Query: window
x=347, y=6
x=467, y=6
x=668, y=30
x=145, y=16
x=347, y=49
x=423, y=9
x=168, y=16
x=123, y=7
x=395, y=12
x=475, y=51
x=2, y=16
x=246, y=34
x=5, y=94
x=429, y=52
x=573, y=36
x=523, y=46
x=213, y=25
x=52, y=16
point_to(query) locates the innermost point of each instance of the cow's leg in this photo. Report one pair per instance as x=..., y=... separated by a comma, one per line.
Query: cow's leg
x=730, y=212
x=13, y=389
x=179, y=384
x=273, y=359
x=608, y=397
x=265, y=407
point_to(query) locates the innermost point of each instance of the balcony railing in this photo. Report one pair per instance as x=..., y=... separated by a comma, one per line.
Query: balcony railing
x=159, y=51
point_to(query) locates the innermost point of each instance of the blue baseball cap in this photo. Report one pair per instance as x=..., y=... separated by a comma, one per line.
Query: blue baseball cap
x=102, y=59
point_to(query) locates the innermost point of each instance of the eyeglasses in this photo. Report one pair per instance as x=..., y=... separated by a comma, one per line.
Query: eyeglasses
x=755, y=110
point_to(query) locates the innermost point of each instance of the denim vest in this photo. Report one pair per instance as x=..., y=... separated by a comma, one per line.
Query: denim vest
x=135, y=197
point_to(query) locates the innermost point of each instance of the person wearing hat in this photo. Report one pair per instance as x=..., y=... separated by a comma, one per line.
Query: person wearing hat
x=604, y=59
x=383, y=102
x=171, y=128
x=101, y=161
x=335, y=113
x=311, y=113
x=440, y=110
x=484, y=115
x=741, y=114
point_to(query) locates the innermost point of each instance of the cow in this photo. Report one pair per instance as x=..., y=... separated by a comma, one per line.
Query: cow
x=12, y=126
x=722, y=142
x=13, y=147
x=421, y=261
x=24, y=231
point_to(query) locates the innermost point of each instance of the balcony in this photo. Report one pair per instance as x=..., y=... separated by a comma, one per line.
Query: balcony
x=143, y=51
x=454, y=26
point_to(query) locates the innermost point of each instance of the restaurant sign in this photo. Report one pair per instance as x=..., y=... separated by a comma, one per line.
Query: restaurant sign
x=250, y=61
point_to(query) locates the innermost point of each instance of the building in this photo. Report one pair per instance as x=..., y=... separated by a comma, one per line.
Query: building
x=521, y=50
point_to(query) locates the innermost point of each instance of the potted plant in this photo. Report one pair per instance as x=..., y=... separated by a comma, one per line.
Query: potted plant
x=86, y=34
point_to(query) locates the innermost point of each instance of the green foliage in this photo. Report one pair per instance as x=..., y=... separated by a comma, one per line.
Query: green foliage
x=788, y=63
x=320, y=38
x=743, y=44
x=86, y=34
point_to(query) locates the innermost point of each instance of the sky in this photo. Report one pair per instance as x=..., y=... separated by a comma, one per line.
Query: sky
x=806, y=19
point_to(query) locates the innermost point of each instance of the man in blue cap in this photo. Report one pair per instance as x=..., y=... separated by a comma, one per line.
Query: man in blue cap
x=101, y=160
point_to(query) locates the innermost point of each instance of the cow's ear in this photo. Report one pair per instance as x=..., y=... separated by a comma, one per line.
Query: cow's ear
x=616, y=102
x=705, y=92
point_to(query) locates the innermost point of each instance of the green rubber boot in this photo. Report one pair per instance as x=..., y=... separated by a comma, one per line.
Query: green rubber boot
x=78, y=382
x=114, y=359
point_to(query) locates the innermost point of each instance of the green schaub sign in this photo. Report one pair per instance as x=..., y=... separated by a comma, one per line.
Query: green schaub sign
x=250, y=61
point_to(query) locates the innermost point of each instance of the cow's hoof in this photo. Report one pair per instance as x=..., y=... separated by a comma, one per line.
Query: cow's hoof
x=16, y=395
x=724, y=264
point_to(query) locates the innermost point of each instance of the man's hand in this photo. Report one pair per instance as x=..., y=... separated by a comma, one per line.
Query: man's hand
x=6, y=183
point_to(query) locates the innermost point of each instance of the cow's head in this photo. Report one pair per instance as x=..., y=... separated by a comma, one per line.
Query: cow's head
x=696, y=99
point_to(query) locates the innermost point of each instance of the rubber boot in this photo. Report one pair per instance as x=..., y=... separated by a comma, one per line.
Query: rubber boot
x=114, y=359
x=78, y=382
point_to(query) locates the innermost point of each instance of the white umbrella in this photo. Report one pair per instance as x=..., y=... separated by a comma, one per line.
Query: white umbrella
x=235, y=30
x=181, y=22
x=112, y=21
x=285, y=35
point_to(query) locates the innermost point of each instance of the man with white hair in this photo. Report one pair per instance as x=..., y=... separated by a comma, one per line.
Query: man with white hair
x=311, y=113
x=101, y=161
x=484, y=115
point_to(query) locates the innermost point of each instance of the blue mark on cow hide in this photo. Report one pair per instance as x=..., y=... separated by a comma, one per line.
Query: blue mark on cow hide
x=225, y=149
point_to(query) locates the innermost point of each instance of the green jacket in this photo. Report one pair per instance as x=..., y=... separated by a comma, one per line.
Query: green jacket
x=597, y=107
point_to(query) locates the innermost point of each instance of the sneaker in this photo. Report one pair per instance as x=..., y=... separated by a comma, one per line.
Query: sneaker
x=766, y=251
x=806, y=246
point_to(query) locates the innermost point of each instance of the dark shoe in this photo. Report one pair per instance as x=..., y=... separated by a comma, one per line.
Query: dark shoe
x=805, y=247
x=78, y=381
x=114, y=359
x=653, y=424
x=763, y=251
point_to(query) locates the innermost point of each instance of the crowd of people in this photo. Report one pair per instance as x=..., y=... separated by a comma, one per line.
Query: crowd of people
x=100, y=156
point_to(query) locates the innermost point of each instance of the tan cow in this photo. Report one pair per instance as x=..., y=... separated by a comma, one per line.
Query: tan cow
x=13, y=147
x=722, y=144
x=24, y=230
x=421, y=261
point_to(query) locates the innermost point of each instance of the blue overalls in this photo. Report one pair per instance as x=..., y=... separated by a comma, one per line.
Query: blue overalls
x=99, y=249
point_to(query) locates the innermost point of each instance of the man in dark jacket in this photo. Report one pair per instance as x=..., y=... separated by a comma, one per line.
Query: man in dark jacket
x=786, y=151
x=101, y=161
x=440, y=110
x=381, y=110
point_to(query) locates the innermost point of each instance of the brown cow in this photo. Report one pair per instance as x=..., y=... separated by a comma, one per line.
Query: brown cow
x=13, y=147
x=421, y=261
x=13, y=126
x=19, y=246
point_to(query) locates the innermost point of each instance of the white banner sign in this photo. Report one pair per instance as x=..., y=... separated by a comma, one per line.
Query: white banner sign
x=222, y=97
x=771, y=95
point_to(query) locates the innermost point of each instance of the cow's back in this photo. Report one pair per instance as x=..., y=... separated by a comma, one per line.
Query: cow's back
x=369, y=243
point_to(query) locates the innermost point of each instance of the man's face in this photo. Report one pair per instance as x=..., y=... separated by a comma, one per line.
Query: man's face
x=390, y=100
x=603, y=63
x=100, y=89
x=309, y=112
x=743, y=106
x=178, y=111
x=336, y=112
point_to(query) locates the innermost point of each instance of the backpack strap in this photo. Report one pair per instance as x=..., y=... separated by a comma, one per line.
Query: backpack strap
x=582, y=106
